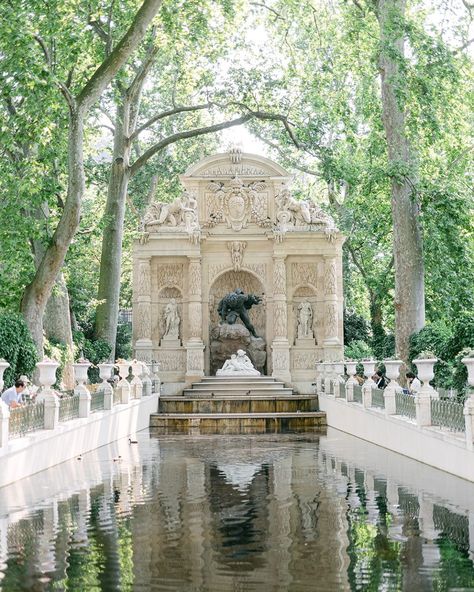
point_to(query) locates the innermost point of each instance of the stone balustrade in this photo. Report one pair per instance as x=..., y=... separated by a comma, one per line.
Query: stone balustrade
x=50, y=408
x=424, y=408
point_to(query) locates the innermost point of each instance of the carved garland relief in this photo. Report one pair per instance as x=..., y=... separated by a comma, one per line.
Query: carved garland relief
x=280, y=319
x=279, y=277
x=170, y=274
x=330, y=278
x=280, y=360
x=331, y=320
x=172, y=360
x=195, y=277
x=304, y=273
x=143, y=319
x=144, y=278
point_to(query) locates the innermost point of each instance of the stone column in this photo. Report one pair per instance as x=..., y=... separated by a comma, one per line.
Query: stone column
x=195, y=345
x=469, y=422
x=142, y=316
x=331, y=307
x=280, y=345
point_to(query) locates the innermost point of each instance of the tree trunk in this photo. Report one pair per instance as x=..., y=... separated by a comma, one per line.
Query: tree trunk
x=407, y=237
x=38, y=291
x=111, y=256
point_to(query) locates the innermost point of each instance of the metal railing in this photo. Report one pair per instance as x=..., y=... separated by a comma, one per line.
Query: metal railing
x=405, y=405
x=97, y=401
x=24, y=420
x=357, y=393
x=68, y=407
x=378, y=398
x=448, y=414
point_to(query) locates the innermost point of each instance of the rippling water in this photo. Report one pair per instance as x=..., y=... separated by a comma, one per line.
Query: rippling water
x=238, y=513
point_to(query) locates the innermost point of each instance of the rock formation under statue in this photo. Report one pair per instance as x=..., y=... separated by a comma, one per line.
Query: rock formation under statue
x=238, y=364
x=235, y=305
x=228, y=339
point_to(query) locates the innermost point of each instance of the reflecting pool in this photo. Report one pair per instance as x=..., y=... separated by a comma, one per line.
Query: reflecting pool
x=238, y=513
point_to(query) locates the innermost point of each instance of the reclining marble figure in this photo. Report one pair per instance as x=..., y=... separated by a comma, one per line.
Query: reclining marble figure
x=238, y=363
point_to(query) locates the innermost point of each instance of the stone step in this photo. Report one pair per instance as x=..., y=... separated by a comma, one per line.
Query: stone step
x=240, y=415
x=238, y=423
x=253, y=397
x=217, y=392
x=235, y=405
x=237, y=379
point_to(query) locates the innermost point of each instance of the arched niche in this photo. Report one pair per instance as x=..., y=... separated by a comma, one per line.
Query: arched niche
x=164, y=296
x=228, y=282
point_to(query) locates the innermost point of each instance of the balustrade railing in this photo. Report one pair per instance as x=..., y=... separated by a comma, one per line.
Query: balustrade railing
x=405, y=405
x=341, y=390
x=24, y=420
x=68, y=407
x=357, y=393
x=447, y=414
x=378, y=398
x=97, y=401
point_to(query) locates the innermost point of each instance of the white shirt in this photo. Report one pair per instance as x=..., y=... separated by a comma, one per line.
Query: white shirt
x=415, y=385
x=10, y=395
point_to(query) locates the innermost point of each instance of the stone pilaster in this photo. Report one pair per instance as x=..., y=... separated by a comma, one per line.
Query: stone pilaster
x=195, y=345
x=331, y=306
x=142, y=318
x=280, y=345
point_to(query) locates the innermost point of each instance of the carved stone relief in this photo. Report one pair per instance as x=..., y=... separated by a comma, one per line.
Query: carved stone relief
x=143, y=287
x=279, y=277
x=195, y=277
x=304, y=360
x=195, y=319
x=172, y=361
x=280, y=320
x=280, y=360
x=331, y=320
x=194, y=360
x=170, y=274
x=330, y=278
x=237, y=249
x=304, y=273
x=143, y=320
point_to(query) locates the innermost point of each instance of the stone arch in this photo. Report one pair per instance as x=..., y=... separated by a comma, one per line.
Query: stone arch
x=227, y=281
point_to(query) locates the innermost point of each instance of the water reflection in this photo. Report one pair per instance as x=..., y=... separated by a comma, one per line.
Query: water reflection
x=275, y=512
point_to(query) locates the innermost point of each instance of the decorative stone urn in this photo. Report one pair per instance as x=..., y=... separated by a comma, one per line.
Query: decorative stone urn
x=469, y=363
x=351, y=369
x=369, y=368
x=425, y=374
x=105, y=372
x=3, y=366
x=392, y=369
x=80, y=372
x=47, y=373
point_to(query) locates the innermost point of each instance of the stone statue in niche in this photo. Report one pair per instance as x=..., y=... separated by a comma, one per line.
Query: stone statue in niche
x=305, y=320
x=235, y=305
x=304, y=212
x=172, y=320
x=238, y=364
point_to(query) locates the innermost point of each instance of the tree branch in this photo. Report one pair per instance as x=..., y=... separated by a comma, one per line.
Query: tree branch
x=62, y=87
x=145, y=157
x=168, y=113
x=117, y=58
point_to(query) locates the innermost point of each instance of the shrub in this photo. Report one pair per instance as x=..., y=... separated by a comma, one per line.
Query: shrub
x=123, y=344
x=356, y=328
x=358, y=350
x=434, y=337
x=16, y=347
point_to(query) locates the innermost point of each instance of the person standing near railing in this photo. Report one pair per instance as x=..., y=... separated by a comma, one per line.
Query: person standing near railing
x=13, y=396
x=380, y=380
